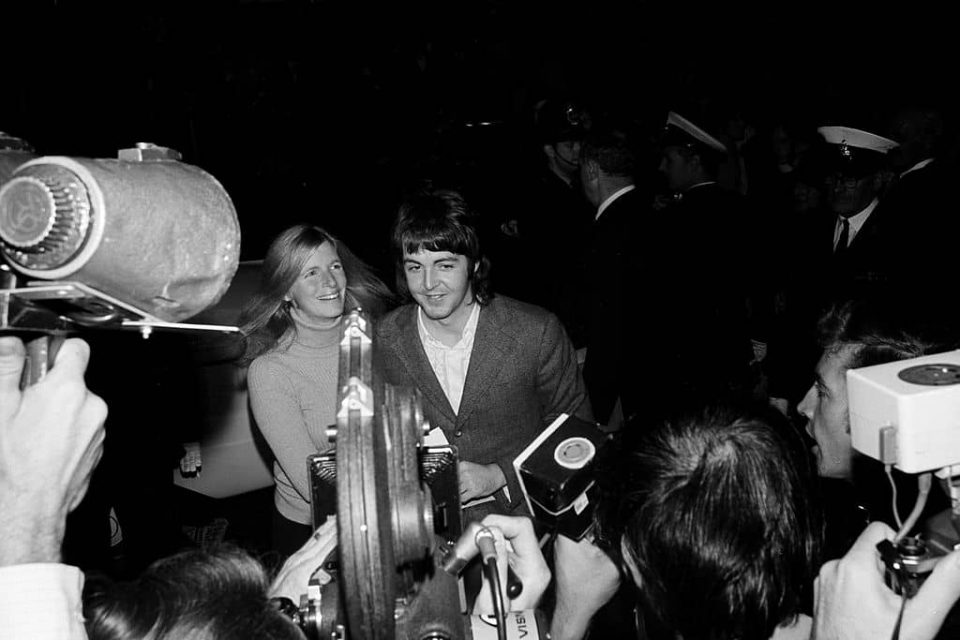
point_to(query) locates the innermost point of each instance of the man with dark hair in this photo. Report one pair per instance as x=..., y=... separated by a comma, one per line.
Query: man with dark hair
x=493, y=372
x=856, y=334
x=714, y=560
x=607, y=169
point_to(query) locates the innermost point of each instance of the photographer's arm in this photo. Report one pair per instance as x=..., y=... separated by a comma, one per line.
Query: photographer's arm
x=852, y=601
x=292, y=580
x=51, y=439
x=586, y=579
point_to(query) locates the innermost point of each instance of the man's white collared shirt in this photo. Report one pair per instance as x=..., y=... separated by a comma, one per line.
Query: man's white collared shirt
x=856, y=223
x=450, y=364
x=616, y=194
x=918, y=166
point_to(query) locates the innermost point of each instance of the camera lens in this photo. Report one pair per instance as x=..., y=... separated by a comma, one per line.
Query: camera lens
x=911, y=548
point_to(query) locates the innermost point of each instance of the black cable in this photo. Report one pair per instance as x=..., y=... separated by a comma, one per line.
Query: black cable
x=499, y=610
x=488, y=555
x=896, y=628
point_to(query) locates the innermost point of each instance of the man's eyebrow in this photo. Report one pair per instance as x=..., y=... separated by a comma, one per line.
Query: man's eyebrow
x=818, y=379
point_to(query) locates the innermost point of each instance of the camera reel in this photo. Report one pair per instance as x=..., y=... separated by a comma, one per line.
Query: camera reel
x=397, y=507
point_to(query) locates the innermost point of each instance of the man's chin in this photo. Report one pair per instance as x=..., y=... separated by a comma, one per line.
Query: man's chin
x=435, y=312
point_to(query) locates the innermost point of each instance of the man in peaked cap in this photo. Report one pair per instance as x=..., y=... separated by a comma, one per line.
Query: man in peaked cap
x=859, y=237
x=698, y=282
x=851, y=248
x=690, y=155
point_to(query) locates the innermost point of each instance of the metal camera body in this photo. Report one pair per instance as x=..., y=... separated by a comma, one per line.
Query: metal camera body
x=399, y=527
x=140, y=242
x=907, y=564
x=398, y=510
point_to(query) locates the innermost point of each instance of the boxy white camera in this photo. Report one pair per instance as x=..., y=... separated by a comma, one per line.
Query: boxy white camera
x=907, y=413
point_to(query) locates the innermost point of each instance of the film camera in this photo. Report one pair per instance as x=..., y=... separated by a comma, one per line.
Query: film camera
x=907, y=414
x=398, y=518
x=142, y=242
x=401, y=541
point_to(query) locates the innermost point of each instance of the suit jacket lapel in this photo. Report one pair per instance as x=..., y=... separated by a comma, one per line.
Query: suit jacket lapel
x=415, y=360
x=490, y=348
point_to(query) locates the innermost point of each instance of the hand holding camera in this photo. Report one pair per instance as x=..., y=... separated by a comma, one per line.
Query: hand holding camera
x=51, y=439
x=295, y=574
x=853, y=601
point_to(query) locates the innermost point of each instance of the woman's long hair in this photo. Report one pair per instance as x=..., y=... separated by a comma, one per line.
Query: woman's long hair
x=266, y=319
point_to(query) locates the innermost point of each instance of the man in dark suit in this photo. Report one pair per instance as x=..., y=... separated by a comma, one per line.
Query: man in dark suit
x=493, y=372
x=703, y=259
x=863, y=236
x=852, y=249
x=607, y=169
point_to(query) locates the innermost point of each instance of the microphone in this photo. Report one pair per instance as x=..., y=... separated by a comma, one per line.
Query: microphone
x=145, y=229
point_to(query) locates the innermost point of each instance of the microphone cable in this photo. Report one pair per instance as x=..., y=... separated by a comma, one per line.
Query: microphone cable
x=488, y=556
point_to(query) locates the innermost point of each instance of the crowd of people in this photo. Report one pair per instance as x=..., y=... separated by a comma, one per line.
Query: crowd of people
x=680, y=291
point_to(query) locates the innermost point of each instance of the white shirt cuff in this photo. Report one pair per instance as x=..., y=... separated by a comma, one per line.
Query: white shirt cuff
x=41, y=601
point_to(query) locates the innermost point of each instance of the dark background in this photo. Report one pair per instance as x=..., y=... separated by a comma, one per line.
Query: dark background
x=325, y=111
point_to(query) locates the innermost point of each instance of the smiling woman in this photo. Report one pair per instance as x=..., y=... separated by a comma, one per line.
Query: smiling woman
x=292, y=327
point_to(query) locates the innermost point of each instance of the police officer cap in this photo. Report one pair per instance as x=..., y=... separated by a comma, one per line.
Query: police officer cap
x=855, y=152
x=682, y=133
x=558, y=120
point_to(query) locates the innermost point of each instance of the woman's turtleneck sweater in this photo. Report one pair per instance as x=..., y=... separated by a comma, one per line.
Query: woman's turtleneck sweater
x=293, y=391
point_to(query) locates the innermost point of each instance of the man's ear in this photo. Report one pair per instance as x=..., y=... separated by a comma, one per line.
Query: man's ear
x=550, y=151
x=883, y=179
x=591, y=168
x=695, y=162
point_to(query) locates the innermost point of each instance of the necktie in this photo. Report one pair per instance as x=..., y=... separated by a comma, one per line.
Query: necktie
x=844, y=239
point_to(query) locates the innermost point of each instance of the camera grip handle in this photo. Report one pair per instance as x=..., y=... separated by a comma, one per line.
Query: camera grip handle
x=41, y=353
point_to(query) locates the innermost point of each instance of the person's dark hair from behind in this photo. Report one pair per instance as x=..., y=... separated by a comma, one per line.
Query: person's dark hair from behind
x=193, y=595
x=715, y=511
x=266, y=319
x=441, y=220
x=611, y=149
x=887, y=328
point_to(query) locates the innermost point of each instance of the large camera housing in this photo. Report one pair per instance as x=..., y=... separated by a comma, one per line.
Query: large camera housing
x=907, y=413
x=556, y=474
